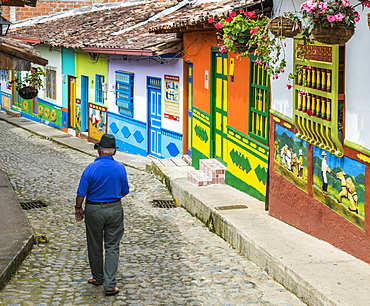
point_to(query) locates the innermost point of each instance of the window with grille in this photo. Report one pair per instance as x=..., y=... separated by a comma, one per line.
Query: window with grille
x=259, y=102
x=125, y=92
x=99, y=93
x=319, y=97
x=50, y=83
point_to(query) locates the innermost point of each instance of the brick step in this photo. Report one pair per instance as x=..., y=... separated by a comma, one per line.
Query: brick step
x=198, y=178
x=213, y=169
x=211, y=172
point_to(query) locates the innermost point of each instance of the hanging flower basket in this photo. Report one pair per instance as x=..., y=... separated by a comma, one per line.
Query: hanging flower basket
x=28, y=92
x=338, y=34
x=240, y=47
x=284, y=26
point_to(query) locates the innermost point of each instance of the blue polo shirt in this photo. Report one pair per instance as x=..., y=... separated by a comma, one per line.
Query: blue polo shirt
x=104, y=180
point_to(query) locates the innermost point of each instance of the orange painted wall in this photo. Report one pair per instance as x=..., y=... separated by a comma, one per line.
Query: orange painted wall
x=198, y=51
x=238, y=94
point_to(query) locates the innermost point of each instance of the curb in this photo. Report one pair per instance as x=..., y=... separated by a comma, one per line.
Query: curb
x=17, y=237
x=312, y=269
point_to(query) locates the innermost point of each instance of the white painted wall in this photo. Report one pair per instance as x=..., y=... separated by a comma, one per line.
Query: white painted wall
x=54, y=57
x=143, y=67
x=357, y=79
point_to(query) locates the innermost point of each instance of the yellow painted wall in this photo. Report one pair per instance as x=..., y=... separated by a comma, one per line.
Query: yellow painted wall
x=86, y=66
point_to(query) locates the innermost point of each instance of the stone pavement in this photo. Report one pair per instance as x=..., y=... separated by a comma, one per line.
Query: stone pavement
x=318, y=273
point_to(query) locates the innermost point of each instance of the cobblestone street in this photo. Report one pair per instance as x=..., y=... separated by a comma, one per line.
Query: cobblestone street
x=167, y=257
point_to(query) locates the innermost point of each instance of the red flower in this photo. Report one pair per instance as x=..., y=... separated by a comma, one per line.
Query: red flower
x=228, y=19
x=254, y=30
x=289, y=86
x=211, y=19
x=241, y=10
x=309, y=112
x=232, y=14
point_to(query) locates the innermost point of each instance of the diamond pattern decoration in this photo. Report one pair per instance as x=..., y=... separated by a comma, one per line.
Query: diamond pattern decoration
x=126, y=132
x=172, y=149
x=114, y=128
x=138, y=137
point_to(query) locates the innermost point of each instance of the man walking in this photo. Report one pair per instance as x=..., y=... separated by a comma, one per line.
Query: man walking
x=103, y=183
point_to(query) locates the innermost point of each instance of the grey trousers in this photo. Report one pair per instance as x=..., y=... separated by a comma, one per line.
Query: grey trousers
x=104, y=224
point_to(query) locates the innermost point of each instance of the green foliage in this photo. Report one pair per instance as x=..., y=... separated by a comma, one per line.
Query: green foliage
x=33, y=78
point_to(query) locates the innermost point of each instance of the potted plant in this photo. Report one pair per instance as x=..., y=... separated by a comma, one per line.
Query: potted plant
x=27, y=86
x=331, y=22
x=269, y=49
x=288, y=25
x=235, y=30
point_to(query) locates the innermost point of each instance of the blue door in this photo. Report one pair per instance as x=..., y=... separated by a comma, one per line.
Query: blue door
x=155, y=116
x=84, y=102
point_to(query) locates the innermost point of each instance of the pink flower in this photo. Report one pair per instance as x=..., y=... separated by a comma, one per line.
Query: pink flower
x=228, y=19
x=323, y=6
x=250, y=14
x=346, y=3
x=241, y=10
x=282, y=70
x=254, y=30
x=232, y=14
x=222, y=49
x=211, y=19
x=339, y=17
x=258, y=62
x=330, y=18
x=309, y=6
x=289, y=86
x=219, y=25
x=357, y=16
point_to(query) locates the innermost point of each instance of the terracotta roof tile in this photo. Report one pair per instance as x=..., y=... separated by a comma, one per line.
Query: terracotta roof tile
x=94, y=29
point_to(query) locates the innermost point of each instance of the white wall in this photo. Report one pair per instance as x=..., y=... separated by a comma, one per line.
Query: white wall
x=54, y=58
x=143, y=67
x=357, y=79
x=357, y=86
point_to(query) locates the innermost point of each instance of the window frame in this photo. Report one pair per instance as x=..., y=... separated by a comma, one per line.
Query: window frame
x=99, y=92
x=124, y=96
x=50, y=91
x=318, y=106
x=258, y=114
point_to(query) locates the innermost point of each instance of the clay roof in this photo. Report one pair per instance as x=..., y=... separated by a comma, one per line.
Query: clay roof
x=195, y=17
x=126, y=26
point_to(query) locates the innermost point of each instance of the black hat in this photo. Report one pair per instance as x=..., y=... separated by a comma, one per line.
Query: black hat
x=106, y=141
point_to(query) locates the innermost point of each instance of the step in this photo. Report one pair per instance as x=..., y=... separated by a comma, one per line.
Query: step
x=214, y=170
x=198, y=178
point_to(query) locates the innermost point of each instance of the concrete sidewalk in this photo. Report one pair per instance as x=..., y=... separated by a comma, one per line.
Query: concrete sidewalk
x=317, y=272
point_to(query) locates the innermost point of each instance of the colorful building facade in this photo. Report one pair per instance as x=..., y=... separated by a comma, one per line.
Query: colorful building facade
x=229, y=101
x=319, y=144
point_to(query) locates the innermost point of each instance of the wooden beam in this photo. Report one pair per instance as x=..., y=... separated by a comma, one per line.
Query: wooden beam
x=9, y=62
x=20, y=53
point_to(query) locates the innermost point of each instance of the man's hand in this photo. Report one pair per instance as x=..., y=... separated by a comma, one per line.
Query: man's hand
x=79, y=214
